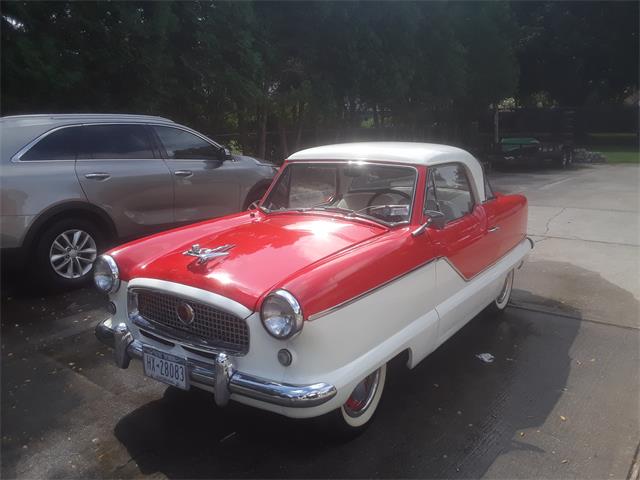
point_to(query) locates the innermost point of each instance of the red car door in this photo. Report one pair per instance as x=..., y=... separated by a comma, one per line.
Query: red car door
x=463, y=242
x=504, y=229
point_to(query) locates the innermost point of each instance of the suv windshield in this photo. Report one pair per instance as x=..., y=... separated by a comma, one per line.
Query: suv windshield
x=380, y=192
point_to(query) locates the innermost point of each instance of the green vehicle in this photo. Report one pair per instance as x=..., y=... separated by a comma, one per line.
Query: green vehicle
x=531, y=151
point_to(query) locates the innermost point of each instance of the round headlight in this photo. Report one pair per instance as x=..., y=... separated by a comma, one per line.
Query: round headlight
x=105, y=274
x=281, y=314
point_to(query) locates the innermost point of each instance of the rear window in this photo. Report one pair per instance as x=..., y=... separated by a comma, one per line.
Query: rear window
x=116, y=142
x=62, y=144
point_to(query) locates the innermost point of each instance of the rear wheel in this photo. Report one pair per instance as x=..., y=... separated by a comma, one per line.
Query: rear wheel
x=501, y=301
x=355, y=415
x=65, y=253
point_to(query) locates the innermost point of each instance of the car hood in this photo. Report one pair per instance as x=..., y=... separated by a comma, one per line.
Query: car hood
x=266, y=250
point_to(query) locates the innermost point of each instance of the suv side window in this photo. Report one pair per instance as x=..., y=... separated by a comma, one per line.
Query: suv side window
x=182, y=145
x=449, y=191
x=62, y=144
x=116, y=142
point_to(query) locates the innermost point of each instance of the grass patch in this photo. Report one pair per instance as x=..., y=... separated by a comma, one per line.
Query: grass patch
x=617, y=154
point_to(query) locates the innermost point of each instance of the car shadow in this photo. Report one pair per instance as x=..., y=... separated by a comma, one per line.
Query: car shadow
x=451, y=416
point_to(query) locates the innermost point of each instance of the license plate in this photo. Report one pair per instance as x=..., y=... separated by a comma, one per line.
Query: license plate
x=165, y=368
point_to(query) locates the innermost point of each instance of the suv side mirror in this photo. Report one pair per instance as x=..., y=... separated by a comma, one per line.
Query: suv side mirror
x=436, y=219
x=224, y=154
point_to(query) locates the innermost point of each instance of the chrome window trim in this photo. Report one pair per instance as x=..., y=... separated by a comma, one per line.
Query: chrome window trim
x=357, y=162
x=17, y=157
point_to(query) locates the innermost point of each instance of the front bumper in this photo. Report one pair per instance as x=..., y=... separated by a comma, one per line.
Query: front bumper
x=221, y=376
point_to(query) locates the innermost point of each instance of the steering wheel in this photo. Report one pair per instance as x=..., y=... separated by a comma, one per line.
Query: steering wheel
x=387, y=191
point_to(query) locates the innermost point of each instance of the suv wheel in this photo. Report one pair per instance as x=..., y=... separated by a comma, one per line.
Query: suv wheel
x=66, y=252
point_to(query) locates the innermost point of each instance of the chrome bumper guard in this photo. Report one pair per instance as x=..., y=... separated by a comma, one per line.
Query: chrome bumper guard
x=221, y=376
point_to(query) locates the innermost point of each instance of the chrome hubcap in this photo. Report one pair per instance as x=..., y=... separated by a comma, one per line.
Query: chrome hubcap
x=362, y=395
x=72, y=253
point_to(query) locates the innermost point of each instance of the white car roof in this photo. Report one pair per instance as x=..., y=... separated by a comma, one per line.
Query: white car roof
x=408, y=153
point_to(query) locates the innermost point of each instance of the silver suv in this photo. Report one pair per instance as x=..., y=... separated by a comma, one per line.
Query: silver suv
x=73, y=184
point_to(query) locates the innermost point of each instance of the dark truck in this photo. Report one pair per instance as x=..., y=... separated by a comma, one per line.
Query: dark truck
x=532, y=137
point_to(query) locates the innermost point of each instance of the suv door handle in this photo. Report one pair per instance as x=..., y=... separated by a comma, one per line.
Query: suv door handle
x=97, y=176
x=183, y=173
x=493, y=229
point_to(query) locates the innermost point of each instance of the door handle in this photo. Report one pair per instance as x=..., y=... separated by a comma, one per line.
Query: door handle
x=183, y=173
x=97, y=176
x=493, y=229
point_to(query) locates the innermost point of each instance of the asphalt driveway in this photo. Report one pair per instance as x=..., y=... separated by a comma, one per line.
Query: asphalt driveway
x=559, y=400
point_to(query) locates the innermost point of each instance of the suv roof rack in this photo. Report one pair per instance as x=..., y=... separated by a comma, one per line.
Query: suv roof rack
x=67, y=116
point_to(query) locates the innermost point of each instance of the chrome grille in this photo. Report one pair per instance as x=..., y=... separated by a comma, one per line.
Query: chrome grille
x=210, y=326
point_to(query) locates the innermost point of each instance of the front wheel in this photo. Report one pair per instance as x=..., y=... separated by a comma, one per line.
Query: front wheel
x=355, y=415
x=65, y=253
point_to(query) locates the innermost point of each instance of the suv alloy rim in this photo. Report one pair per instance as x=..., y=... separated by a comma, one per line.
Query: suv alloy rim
x=72, y=253
x=362, y=395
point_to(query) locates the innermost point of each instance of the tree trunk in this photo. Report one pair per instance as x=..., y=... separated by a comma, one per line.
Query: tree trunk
x=284, y=147
x=262, y=131
x=242, y=126
x=300, y=121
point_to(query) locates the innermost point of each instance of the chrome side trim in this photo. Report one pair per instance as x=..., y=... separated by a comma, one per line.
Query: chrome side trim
x=468, y=279
x=366, y=293
x=221, y=376
x=329, y=310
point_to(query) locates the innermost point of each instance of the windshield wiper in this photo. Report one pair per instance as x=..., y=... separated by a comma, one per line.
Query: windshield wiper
x=376, y=207
x=348, y=211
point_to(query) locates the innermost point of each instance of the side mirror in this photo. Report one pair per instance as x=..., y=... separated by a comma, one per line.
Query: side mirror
x=435, y=219
x=224, y=154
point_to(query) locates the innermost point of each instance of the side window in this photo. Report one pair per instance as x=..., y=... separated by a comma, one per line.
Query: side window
x=62, y=144
x=449, y=191
x=182, y=145
x=116, y=142
x=488, y=191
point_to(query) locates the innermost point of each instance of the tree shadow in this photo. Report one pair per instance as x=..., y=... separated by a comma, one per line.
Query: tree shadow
x=451, y=416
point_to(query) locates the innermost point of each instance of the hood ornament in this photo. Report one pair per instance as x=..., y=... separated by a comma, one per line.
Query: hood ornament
x=205, y=254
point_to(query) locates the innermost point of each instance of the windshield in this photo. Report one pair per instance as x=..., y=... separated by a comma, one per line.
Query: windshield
x=380, y=192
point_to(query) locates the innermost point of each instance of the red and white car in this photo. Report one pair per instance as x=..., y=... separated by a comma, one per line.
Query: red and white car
x=358, y=253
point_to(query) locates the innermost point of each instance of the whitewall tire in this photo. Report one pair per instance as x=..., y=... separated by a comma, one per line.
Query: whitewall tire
x=355, y=415
x=502, y=300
